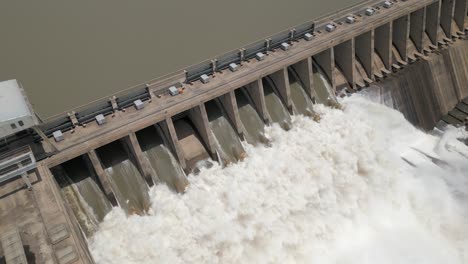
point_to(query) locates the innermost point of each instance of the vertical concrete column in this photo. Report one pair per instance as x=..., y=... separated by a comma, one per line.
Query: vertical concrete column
x=199, y=118
x=142, y=161
x=364, y=51
x=167, y=127
x=326, y=61
x=446, y=15
x=460, y=13
x=306, y=74
x=102, y=175
x=281, y=81
x=255, y=90
x=229, y=103
x=417, y=27
x=400, y=35
x=433, y=21
x=383, y=44
x=344, y=58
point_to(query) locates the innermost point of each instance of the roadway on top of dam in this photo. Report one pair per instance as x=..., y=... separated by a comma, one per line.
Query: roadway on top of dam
x=86, y=138
x=69, y=53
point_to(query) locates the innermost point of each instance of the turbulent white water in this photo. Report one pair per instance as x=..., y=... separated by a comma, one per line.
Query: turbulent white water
x=338, y=191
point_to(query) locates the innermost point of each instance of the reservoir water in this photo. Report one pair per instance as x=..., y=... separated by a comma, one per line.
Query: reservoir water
x=68, y=53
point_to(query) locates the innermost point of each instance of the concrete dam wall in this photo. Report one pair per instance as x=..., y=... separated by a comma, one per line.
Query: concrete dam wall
x=413, y=52
x=428, y=90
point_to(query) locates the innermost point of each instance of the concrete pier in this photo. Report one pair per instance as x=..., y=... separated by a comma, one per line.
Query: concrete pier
x=401, y=35
x=433, y=21
x=230, y=106
x=383, y=44
x=102, y=175
x=142, y=161
x=281, y=80
x=364, y=51
x=167, y=127
x=446, y=16
x=344, y=58
x=200, y=120
x=304, y=69
x=460, y=11
x=255, y=90
x=326, y=61
x=417, y=27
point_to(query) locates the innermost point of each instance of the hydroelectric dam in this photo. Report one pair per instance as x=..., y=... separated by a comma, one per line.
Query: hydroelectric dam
x=60, y=177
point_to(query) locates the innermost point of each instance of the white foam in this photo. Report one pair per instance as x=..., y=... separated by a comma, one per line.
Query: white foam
x=336, y=191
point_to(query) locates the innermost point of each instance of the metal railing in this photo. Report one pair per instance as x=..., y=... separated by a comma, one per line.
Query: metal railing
x=16, y=163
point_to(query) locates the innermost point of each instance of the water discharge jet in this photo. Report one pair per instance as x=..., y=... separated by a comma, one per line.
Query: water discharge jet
x=325, y=184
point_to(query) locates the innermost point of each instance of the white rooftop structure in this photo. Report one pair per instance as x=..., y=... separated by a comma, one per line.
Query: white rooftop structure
x=16, y=113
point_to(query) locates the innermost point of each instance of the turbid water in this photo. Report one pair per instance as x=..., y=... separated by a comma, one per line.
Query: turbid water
x=362, y=185
x=68, y=53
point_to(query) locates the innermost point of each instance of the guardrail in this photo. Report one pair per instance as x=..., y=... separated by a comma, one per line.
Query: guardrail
x=15, y=163
x=192, y=73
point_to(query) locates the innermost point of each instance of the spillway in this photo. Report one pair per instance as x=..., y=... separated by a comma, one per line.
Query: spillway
x=302, y=103
x=82, y=191
x=322, y=86
x=276, y=109
x=251, y=121
x=227, y=141
x=127, y=183
x=167, y=169
x=325, y=192
x=193, y=148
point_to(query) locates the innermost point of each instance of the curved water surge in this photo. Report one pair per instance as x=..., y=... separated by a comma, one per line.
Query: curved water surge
x=226, y=139
x=165, y=165
x=360, y=186
x=125, y=179
x=129, y=187
x=323, y=89
x=302, y=103
x=277, y=111
x=251, y=121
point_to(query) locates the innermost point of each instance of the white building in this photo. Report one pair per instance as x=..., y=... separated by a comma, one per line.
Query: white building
x=16, y=113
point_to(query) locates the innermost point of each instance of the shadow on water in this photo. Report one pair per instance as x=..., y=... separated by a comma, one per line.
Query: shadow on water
x=275, y=107
x=30, y=257
x=193, y=148
x=127, y=183
x=254, y=127
x=156, y=148
x=83, y=192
